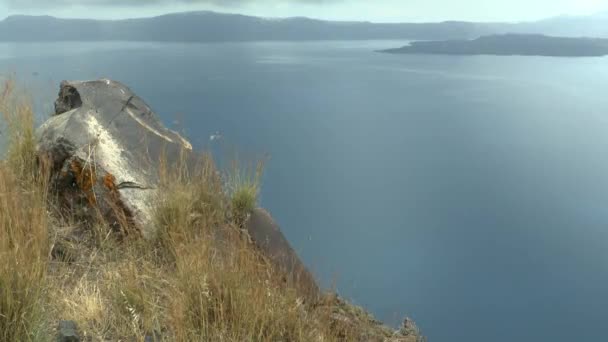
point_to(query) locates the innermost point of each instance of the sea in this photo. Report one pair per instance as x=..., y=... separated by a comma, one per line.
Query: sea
x=469, y=193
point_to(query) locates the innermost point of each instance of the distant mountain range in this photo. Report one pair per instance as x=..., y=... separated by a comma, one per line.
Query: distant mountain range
x=213, y=27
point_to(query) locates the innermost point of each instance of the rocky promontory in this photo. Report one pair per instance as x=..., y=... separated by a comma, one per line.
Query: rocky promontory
x=145, y=241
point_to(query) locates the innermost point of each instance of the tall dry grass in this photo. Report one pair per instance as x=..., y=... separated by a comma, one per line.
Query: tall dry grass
x=199, y=279
x=224, y=289
x=24, y=242
x=18, y=116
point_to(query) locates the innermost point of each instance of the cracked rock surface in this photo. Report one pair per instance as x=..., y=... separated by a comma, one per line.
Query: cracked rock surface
x=105, y=145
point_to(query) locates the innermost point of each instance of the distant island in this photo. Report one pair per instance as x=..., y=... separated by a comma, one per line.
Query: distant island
x=511, y=44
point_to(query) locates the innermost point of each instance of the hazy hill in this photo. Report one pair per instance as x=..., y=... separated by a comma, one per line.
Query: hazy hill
x=211, y=26
x=511, y=44
x=570, y=26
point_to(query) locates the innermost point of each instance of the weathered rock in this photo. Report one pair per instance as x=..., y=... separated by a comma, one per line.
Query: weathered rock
x=153, y=337
x=68, y=332
x=352, y=322
x=409, y=328
x=267, y=236
x=106, y=146
x=408, y=332
x=357, y=325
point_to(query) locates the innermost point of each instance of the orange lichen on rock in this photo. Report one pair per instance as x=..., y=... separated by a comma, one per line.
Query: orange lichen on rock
x=109, y=181
x=85, y=179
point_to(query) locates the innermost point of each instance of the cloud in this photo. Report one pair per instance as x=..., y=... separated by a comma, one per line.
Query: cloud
x=23, y=4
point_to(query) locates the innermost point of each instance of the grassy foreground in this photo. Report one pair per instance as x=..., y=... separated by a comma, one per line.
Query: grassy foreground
x=198, y=280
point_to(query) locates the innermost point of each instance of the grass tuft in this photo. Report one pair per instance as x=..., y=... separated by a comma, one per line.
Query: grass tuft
x=243, y=185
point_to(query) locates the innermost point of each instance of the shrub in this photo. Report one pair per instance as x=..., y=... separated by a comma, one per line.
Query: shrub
x=243, y=185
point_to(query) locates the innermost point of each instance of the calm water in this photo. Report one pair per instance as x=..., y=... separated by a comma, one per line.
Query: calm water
x=468, y=192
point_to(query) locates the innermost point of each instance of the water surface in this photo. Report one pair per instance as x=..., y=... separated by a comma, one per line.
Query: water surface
x=470, y=193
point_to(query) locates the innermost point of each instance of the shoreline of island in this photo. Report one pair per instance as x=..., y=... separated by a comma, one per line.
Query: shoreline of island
x=510, y=45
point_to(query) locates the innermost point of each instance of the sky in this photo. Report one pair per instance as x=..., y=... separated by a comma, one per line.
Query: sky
x=368, y=10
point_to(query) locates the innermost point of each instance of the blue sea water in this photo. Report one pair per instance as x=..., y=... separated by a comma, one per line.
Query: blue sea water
x=470, y=193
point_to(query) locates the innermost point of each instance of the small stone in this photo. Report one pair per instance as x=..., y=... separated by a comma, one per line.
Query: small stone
x=68, y=332
x=154, y=337
x=408, y=332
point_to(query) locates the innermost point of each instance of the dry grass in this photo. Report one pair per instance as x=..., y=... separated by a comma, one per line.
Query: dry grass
x=23, y=259
x=243, y=187
x=223, y=289
x=23, y=229
x=199, y=279
x=18, y=115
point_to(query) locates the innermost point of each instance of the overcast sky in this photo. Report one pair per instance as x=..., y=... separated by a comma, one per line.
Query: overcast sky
x=373, y=10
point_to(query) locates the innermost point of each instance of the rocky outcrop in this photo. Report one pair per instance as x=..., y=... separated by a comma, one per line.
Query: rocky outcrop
x=106, y=148
x=105, y=145
x=267, y=236
x=408, y=332
x=358, y=325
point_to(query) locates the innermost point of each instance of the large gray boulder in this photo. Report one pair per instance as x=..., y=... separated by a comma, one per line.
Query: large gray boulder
x=267, y=236
x=105, y=145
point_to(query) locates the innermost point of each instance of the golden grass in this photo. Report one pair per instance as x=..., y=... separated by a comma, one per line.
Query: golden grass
x=199, y=279
x=223, y=289
x=243, y=185
x=19, y=118
x=23, y=259
x=23, y=229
